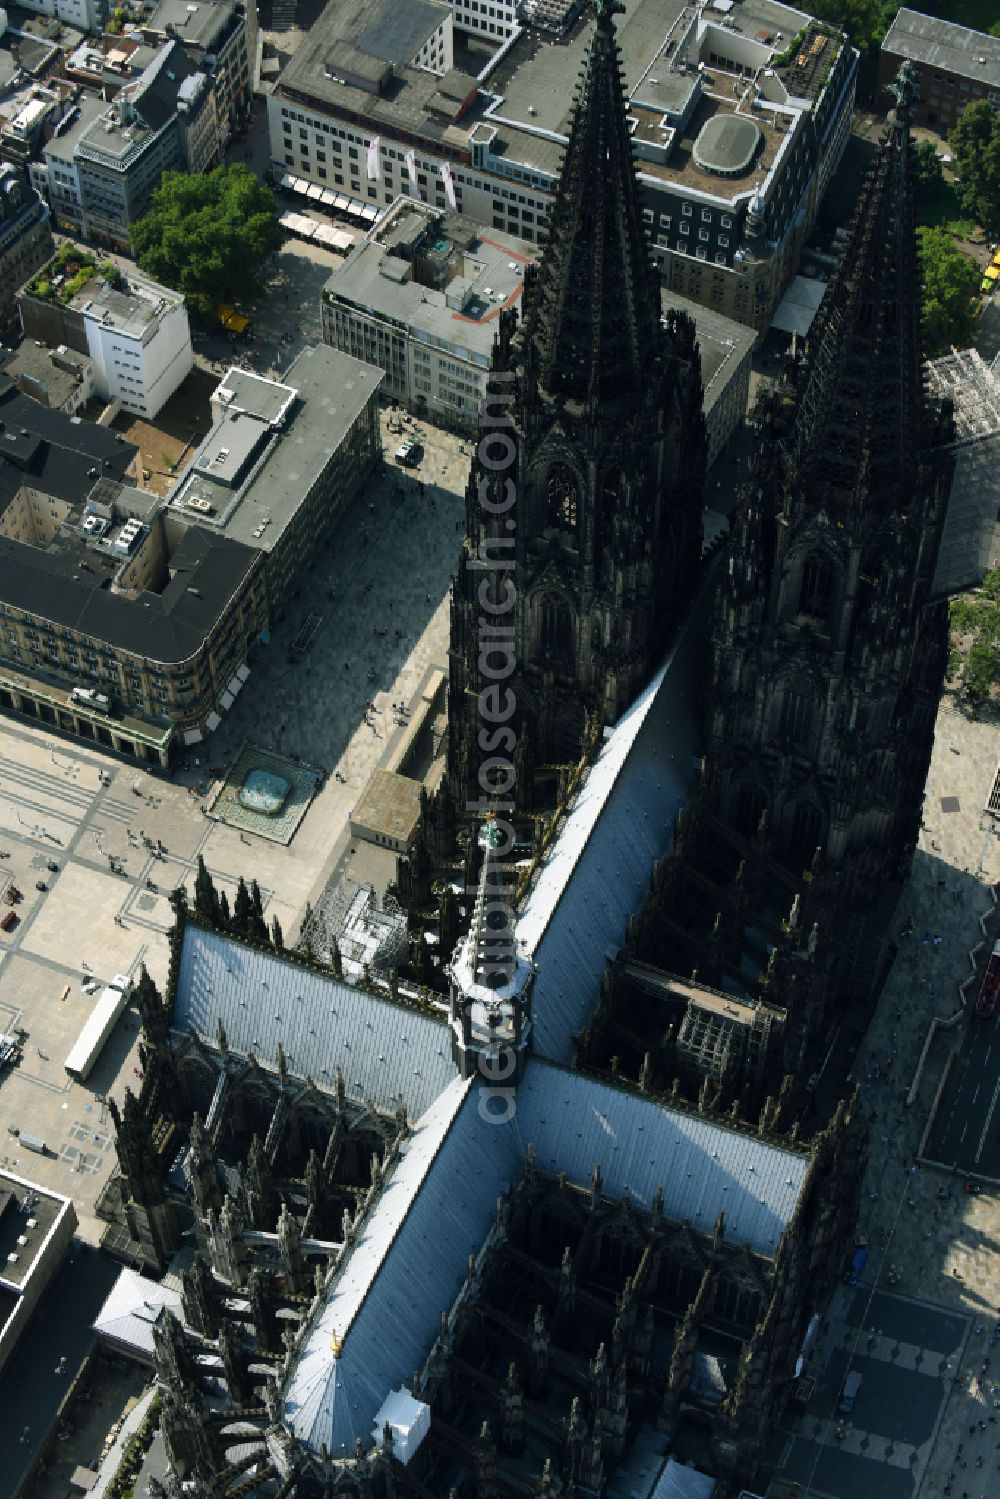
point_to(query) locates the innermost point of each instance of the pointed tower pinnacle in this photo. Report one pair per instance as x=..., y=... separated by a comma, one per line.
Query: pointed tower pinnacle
x=860, y=427
x=592, y=311
x=491, y=935
x=490, y=981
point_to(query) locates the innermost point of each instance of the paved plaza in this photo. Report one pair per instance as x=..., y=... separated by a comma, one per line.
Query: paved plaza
x=903, y=1350
x=382, y=588
x=920, y=1349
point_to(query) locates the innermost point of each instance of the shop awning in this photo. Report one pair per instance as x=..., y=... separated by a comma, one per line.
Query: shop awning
x=212, y=722
x=243, y=672
x=233, y=685
x=226, y=701
x=193, y=736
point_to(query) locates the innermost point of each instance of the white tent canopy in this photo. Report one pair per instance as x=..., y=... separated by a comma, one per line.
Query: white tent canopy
x=410, y=1420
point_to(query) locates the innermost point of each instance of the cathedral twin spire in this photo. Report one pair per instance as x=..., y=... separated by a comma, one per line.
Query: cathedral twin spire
x=592, y=311
x=858, y=427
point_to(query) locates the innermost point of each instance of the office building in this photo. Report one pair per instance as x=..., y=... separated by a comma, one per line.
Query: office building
x=738, y=116
x=134, y=330
x=242, y=483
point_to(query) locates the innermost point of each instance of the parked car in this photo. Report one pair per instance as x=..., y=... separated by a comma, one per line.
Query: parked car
x=973, y=1188
x=40, y=885
x=409, y=452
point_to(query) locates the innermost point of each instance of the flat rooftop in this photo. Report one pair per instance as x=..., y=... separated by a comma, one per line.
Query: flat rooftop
x=943, y=44
x=389, y=806
x=130, y=310
x=483, y=279
x=333, y=389
x=399, y=28
x=407, y=102
x=59, y=373
x=256, y=395
x=736, y=170
x=193, y=23
x=26, y=1212
x=723, y=344
x=73, y=126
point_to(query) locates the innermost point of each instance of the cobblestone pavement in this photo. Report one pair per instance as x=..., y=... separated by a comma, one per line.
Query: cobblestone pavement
x=937, y=1252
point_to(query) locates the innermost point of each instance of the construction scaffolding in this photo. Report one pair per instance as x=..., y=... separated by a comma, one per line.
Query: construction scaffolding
x=718, y=1030
x=968, y=544
x=368, y=934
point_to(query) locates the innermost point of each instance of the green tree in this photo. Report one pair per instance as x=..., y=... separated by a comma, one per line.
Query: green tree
x=865, y=21
x=975, y=145
x=207, y=235
x=950, y=283
x=975, y=638
x=927, y=174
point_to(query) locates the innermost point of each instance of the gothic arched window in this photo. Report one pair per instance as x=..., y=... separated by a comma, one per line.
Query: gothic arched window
x=796, y=716
x=816, y=594
x=751, y=803
x=804, y=830
x=557, y=628
x=562, y=503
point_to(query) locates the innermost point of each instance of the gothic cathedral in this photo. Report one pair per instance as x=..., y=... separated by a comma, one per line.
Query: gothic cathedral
x=589, y=472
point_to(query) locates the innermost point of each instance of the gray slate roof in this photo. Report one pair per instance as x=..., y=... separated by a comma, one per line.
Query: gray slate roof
x=383, y=1049
x=382, y=1311
x=943, y=44
x=405, y=1270
x=576, y=1122
x=130, y=1311
x=597, y=872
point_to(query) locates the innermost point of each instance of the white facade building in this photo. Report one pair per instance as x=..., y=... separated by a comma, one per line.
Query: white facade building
x=420, y=297
x=494, y=19
x=85, y=15
x=140, y=342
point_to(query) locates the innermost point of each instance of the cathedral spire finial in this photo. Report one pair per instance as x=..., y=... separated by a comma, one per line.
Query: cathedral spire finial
x=859, y=428
x=592, y=312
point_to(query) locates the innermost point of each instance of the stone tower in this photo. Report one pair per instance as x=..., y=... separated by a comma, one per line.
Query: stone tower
x=584, y=498
x=829, y=645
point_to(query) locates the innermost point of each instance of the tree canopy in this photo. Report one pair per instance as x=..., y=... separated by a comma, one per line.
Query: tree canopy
x=927, y=174
x=206, y=235
x=975, y=145
x=975, y=639
x=950, y=283
x=865, y=21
